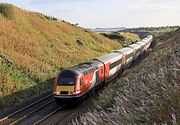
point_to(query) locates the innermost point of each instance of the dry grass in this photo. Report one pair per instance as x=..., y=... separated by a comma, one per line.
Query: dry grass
x=146, y=94
x=39, y=47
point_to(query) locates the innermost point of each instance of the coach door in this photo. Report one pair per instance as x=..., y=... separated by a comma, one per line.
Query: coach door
x=101, y=74
x=123, y=63
x=107, y=70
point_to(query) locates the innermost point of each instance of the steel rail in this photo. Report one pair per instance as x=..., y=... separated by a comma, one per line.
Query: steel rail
x=30, y=113
x=22, y=109
x=47, y=116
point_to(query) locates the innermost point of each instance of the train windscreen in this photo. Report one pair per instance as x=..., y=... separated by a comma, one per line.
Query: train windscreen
x=66, y=81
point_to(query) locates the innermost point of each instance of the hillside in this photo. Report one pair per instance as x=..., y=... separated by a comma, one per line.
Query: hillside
x=147, y=93
x=35, y=47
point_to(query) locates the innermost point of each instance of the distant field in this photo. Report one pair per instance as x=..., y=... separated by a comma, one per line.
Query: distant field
x=35, y=47
x=152, y=30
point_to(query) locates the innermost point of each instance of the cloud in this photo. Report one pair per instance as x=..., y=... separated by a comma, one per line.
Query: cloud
x=154, y=6
x=63, y=1
x=107, y=13
x=68, y=9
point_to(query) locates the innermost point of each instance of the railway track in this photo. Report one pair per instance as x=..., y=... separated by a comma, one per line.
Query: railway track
x=37, y=113
x=46, y=118
x=23, y=113
x=63, y=117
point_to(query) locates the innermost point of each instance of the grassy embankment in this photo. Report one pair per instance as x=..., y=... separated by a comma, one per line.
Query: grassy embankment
x=35, y=47
x=147, y=93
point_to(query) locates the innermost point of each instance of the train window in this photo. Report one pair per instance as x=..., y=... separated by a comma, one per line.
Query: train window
x=129, y=56
x=87, y=71
x=116, y=63
x=91, y=70
x=97, y=67
x=97, y=76
x=138, y=50
x=81, y=81
x=66, y=81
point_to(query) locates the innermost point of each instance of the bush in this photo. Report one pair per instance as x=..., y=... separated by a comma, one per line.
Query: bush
x=6, y=10
x=114, y=36
x=79, y=41
x=51, y=18
x=6, y=59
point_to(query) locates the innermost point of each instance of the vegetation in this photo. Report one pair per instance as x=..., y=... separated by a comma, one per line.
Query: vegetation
x=6, y=10
x=158, y=29
x=153, y=30
x=125, y=38
x=35, y=47
x=115, y=36
x=147, y=93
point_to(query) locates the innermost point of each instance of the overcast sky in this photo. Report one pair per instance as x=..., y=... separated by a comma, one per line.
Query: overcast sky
x=107, y=13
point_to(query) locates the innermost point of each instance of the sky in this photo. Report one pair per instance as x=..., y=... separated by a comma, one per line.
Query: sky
x=107, y=13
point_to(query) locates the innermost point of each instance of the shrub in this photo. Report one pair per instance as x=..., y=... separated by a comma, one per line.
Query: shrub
x=115, y=36
x=6, y=10
x=79, y=41
x=51, y=18
x=6, y=59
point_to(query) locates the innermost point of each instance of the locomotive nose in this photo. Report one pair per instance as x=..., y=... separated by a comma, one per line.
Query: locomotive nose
x=64, y=90
x=65, y=86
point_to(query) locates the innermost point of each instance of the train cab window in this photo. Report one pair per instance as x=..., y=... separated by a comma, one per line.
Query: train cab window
x=66, y=81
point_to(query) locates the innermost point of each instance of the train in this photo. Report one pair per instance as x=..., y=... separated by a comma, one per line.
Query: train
x=82, y=80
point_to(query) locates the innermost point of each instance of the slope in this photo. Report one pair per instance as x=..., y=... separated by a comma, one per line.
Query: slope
x=35, y=47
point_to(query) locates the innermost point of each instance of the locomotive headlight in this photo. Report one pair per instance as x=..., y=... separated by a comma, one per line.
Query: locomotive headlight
x=77, y=92
x=56, y=92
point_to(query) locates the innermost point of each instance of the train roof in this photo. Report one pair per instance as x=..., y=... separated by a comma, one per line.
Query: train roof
x=135, y=46
x=146, y=40
x=69, y=73
x=141, y=43
x=150, y=36
x=83, y=68
x=109, y=57
x=125, y=50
